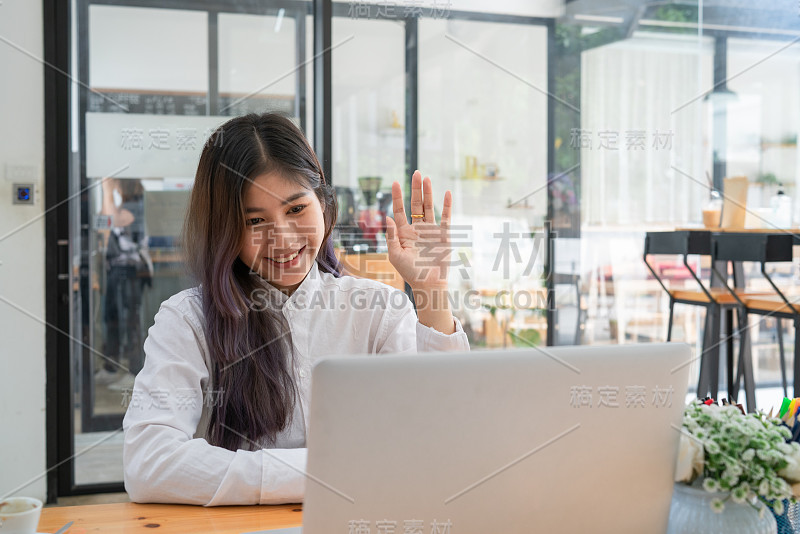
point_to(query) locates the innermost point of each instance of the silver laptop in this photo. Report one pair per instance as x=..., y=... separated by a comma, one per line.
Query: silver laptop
x=567, y=439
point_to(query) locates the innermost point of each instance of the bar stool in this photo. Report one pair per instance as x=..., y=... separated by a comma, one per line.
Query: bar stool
x=762, y=248
x=684, y=243
x=714, y=300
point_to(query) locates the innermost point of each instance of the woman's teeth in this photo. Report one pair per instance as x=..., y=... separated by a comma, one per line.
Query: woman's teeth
x=286, y=258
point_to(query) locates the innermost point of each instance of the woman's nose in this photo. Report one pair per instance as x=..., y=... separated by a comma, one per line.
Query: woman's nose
x=283, y=236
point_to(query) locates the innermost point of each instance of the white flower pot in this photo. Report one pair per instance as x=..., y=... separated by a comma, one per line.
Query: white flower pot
x=691, y=513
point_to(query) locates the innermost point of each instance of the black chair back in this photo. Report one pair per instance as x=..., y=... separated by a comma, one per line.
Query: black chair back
x=683, y=242
x=758, y=247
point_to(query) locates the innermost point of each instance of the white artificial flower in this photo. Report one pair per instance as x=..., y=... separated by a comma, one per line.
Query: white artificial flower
x=710, y=485
x=753, y=423
x=756, y=472
x=739, y=495
x=746, y=430
x=731, y=481
x=782, y=488
x=792, y=471
x=690, y=460
x=717, y=505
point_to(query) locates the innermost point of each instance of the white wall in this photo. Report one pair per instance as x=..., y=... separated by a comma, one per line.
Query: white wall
x=22, y=360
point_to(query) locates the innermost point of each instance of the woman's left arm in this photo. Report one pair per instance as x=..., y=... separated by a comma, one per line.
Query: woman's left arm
x=420, y=251
x=403, y=332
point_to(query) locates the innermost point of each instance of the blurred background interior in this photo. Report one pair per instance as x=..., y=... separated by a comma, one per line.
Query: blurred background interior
x=565, y=130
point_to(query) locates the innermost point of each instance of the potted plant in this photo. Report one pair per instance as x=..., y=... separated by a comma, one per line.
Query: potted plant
x=733, y=470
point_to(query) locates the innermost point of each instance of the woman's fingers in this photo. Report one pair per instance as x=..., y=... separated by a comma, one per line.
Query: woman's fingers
x=417, y=207
x=447, y=209
x=392, y=242
x=427, y=200
x=397, y=206
x=422, y=200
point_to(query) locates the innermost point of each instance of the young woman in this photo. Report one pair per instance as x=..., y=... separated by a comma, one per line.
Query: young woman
x=218, y=415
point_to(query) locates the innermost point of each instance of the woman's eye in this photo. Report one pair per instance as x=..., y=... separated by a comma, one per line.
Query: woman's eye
x=297, y=209
x=254, y=221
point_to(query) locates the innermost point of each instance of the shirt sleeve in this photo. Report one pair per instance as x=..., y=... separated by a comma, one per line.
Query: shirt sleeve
x=163, y=462
x=401, y=332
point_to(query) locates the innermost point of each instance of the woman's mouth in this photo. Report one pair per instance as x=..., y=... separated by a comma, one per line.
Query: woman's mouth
x=287, y=260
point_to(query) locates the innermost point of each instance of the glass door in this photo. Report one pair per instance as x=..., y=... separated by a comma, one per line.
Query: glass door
x=153, y=83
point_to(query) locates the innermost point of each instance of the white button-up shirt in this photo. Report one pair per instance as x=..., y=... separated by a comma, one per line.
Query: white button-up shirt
x=166, y=455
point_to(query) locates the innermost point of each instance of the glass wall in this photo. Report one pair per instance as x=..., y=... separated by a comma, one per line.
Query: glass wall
x=763, y=119
x=483, y=135
x=134, y=202
x=670, y=106
x=643, y=167
x=368, y=137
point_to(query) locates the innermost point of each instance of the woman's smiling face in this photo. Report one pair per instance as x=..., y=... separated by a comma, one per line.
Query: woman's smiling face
x=284, y=229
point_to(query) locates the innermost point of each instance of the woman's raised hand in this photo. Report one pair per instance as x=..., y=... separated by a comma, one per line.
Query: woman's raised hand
x=420, y=250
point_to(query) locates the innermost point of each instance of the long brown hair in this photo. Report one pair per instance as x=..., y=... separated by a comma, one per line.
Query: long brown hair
x=250, y=347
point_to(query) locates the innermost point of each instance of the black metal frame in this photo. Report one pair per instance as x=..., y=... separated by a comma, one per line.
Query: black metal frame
x=719, y=143
x=60, y=422
x=212, y=102
x=323, y=116
x=549, y=267
x=56, y=167
x=412, y=110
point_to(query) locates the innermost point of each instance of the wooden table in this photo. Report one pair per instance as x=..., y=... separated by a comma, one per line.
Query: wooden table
x=372, y=265
x=169, y=518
